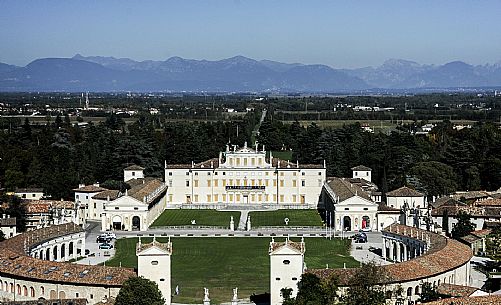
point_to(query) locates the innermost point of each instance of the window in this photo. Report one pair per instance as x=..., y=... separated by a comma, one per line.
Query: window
x=320, y=173
x=95, y=205
x=154, y=263
x=187, y=182
x=116, y=208
x=195, y=183
x=303, y=183
x=196, y=174
x=136, y=208
x=303, y=173
x=356, y=173
x=294, y=183
x=346, y=209
x=286, y=262
x=294, y=278
x=366, y=209
x=208, y=173
x=208, y=183
x=170, y=183
x=162, y=280
x=281, y=183
x=133, y=173
x=277, y=279
x=33, y=195
x=187, y=173
x=170, y=173
x=91, y=296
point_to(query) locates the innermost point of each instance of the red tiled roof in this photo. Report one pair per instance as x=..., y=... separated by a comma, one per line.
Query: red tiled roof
x=345, y=190
x=481, y=300
x=404, y=192
x=361, y=168
x=112, y=194
x=455, y=290
x=489, y=202
x=90, y=189
x=15, y=262
x=134, y=168
x=444, y=254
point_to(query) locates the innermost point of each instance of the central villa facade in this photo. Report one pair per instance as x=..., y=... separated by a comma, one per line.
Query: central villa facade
x=244, y=176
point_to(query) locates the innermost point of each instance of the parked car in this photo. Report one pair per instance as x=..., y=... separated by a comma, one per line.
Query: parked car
x=105, y=246
x=103, y=239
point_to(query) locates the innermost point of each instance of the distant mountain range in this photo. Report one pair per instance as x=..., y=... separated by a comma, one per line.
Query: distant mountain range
x=236, y=74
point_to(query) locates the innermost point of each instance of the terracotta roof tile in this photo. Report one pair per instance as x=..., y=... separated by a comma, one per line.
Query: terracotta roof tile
x=90, y=189
x=345, y=190
x=404, y=192
x=444, y=254
x=455, y=290
x=14, y=261
x=134, y=168
x=361, y=168
x=113, y=194
x=481, y=300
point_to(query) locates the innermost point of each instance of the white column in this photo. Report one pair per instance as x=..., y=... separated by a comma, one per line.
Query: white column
x=399, y=252
x=75, y=255
x=384, y=248
x=406, y=254
x=391, y=250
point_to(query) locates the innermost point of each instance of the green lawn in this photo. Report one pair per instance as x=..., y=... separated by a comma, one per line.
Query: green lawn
x=276, y=218
x=223, y=263
x=202, y=218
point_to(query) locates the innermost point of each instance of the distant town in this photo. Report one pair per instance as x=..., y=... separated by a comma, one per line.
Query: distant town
x=250, y=199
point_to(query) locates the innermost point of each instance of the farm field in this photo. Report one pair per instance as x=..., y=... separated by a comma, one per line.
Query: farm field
x=223, y=263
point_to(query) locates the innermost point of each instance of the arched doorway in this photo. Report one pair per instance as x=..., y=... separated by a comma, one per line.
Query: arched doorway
x=54, y=253
x=63, y=252
x=47, y=254
x=346, y=223
x=117, y=222
x=136, y=223
x=70, y=248
x=366, y=222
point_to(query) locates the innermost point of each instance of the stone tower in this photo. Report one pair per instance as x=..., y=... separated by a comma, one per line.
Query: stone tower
x=153, y=263
x=286, y=267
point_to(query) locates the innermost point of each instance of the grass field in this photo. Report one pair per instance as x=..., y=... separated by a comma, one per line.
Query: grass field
x=202, y=218
x=276, y=218
x=223, y=263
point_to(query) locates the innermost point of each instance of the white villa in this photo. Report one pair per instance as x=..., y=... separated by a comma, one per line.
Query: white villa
x=245, y=176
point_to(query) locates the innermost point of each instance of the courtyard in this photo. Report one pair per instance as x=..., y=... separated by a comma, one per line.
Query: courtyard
x=223, y=263
x=201, y=217
x=296, y=218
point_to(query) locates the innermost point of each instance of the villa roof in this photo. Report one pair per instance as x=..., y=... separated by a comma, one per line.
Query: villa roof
x=141, y=188
x=90, y=189
x=360, y=168
x=140, y=247
x=445, y=201
x=480, y=300
x=15, y=262
x=44, y=206
x=345, y=190
x=490, y=203
x=455, y=290
x=384, y=208
x=443, y=255
x=470, y=195
x=134, y=168
x=276, y=162
x=404, y=191
x=7, y=222
x=29, y=190
x=112, y=194
x=274, y=246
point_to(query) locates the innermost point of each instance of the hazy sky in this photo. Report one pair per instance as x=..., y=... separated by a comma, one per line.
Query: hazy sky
x=341, y=34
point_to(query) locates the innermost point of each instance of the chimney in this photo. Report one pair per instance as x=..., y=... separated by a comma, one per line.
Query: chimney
x=81, y=185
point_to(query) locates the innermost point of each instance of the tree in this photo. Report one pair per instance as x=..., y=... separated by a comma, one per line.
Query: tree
x=139, y=291
x=463, y=227
x=367, y=286
x=429, y=293
x=312, y=291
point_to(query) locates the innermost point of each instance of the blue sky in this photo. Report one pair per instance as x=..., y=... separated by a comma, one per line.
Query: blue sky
x=341, y=34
